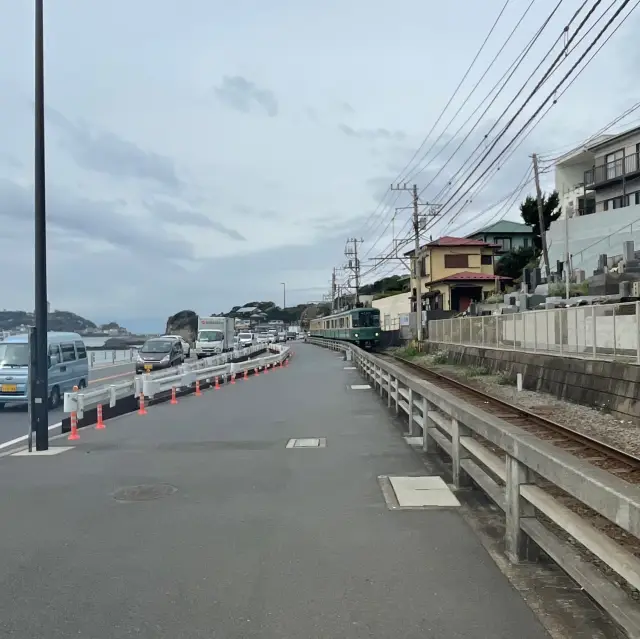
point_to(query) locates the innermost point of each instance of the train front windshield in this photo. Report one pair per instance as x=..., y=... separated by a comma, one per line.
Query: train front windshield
x=363, y=320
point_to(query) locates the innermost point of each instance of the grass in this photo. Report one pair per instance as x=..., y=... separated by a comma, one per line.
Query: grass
x=476, y=371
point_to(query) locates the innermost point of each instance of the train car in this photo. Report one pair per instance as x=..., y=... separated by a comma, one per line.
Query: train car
x=360, y=326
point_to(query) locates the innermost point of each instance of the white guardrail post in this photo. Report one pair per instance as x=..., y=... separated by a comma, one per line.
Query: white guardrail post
x=185, y=376
x=506, y=463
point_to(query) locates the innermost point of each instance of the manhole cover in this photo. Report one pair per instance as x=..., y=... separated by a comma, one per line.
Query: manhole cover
x=145, y=492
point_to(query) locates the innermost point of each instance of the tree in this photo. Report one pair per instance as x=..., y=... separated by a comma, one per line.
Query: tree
x=550, y=213
x=511, y=264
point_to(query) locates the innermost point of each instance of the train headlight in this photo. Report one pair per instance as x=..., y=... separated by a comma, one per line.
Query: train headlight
x=355, y=334
x=377, y=334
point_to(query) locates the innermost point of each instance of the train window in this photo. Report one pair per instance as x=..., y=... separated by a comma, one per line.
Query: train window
x=369, y=319
x=355, y=320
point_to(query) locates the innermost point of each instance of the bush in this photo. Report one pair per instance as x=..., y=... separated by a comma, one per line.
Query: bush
x=440, y=357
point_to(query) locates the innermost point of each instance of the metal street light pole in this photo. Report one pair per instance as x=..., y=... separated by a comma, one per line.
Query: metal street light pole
x=39, y=414
x=284, y=295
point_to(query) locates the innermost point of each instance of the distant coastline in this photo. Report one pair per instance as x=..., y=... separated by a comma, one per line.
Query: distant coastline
x=121, y=342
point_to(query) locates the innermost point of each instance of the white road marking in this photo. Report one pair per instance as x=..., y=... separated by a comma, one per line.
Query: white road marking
x=349, y=368
x=23, y=438
x=360, y=386
x=54, y=450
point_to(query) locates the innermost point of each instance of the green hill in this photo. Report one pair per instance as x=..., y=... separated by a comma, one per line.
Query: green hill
x=57, y=321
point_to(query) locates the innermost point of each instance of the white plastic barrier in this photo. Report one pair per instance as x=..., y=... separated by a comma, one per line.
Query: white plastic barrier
x=185, y=376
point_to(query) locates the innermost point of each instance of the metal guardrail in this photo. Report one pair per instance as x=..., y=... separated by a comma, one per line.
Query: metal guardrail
x=448, y=423
x=185, y=376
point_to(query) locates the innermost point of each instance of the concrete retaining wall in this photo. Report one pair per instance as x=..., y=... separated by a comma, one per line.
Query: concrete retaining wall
x=612, y=386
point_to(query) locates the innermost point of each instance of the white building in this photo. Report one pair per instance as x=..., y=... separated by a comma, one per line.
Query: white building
x=599, y=189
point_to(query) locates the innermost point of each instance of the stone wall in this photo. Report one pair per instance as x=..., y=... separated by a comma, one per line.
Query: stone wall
x=612, y=386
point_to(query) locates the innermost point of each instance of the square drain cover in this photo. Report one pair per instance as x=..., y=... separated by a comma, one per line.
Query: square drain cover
x=360, y=386
x=307, y=442
x=417, y=492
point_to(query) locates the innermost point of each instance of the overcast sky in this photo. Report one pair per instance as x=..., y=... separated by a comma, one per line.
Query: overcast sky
x=200, y=153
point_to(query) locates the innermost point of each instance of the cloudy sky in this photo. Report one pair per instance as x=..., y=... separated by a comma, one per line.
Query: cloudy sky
x=200, y=153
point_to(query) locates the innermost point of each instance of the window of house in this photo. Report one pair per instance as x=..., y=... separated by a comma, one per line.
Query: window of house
x=504, y=243
x=620, y=202
x=456, y=261
x=525, y=242
x=614, y=163
x=637, y=197
x=486, y=259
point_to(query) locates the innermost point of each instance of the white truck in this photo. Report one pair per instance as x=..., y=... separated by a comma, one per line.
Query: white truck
x=215, y=336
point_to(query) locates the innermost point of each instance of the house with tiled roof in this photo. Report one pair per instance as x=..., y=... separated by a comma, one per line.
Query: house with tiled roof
x=506, y=235
x=454, y=272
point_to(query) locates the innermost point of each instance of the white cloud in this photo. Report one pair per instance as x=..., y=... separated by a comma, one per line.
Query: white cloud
x=196, y=158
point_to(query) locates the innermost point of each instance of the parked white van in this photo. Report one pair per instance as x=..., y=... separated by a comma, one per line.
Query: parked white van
x=68, y=367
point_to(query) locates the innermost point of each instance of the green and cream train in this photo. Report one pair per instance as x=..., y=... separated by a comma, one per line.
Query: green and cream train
x=360, y=326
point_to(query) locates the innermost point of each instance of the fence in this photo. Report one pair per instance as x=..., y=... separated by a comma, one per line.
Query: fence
x=185, y=376
x=507, y=463
x=100, y=358
x=605, y=332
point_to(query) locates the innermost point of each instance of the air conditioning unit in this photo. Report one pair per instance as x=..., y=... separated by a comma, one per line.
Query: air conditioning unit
x=635, y=289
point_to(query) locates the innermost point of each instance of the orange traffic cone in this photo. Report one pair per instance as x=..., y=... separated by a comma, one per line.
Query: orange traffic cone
x=266, y=368
x=174, y=399
x=142, y=410
x=198, y=393
x=233, y=378
x=74, y=422
x=246, y=373
x=217, y=386
x=74, y=427
x=256, y=370
x=99, y=422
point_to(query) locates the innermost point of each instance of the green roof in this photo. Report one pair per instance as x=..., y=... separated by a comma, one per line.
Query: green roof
x=504, y=226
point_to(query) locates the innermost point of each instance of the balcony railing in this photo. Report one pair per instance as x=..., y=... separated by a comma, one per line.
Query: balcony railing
x=627, y=166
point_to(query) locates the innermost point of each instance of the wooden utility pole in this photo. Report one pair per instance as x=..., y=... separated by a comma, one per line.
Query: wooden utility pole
x=543, y=236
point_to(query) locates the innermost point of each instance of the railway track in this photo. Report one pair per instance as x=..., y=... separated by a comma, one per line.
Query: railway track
x=609, y=458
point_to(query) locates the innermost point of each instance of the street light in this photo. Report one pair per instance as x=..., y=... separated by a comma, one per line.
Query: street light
x=284, y=295
x=39, y=395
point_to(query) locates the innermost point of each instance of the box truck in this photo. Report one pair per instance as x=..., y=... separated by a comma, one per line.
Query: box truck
x=215, y=336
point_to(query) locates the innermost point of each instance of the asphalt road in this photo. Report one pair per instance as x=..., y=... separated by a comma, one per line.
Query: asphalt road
x=195, y=521
x=14, y=420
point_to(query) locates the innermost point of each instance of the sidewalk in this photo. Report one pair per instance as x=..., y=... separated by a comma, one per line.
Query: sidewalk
x=258, y=540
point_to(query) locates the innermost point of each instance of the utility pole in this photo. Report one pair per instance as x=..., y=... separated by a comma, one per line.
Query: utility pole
x=543, y=236
x=418, y=220
x=354, y=264
x=39, y=402
x=333, y=290
x=567, y=257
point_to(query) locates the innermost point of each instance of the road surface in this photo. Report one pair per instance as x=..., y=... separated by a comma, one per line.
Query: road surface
x=196, y=521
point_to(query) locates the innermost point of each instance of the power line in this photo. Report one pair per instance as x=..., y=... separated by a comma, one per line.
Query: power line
x=512, y=101
x=399, y=176
x=542, y=105
x=419, y=170
x=464, y=77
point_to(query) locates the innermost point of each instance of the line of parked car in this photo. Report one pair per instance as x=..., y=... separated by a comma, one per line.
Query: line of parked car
x=162, y=352
x=247, y=338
